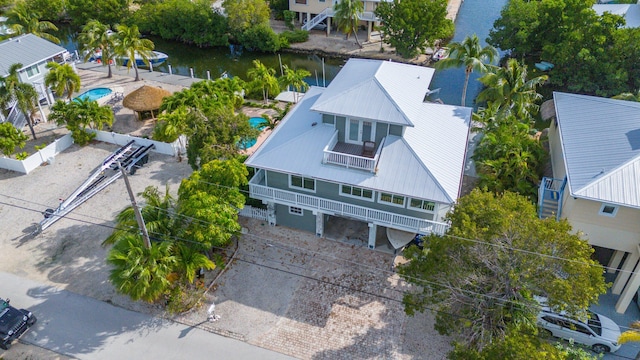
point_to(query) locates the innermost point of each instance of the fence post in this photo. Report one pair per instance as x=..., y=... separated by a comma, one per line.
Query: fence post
x=170, y=71
x=191, y=71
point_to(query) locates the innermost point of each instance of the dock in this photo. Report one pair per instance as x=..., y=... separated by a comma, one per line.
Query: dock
x=145, y=74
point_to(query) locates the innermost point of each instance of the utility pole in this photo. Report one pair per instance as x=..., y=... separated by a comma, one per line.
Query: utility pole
x=141, y=225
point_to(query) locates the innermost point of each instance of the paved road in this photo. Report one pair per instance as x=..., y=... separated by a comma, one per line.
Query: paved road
x=85, y=328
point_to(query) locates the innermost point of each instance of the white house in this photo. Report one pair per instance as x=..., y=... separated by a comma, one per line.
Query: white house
x=630, y=12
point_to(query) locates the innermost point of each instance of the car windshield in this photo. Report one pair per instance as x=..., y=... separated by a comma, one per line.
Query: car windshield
x=594, y=323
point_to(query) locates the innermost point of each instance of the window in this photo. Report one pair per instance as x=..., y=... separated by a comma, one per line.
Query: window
x=357, y=192
x=296, y=211
x=32, y=71
x=328, y=119
x=395, y=200
x=301, y=2
x=608, y=210
x=422, y=205
x=303, y=183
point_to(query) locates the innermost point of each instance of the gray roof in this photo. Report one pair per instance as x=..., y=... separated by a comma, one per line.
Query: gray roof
x=378, y=90
x=426, y=163
x=630, y=12
x=27, y=50
x=601, y=147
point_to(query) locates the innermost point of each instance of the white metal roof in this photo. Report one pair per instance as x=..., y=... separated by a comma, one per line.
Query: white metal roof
x=426, y=163
x=601, y=147
x=27, y=50
x=630, y=12
x=378, y=90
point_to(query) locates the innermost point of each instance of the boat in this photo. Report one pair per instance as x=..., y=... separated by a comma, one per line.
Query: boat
x=156, y=59
x=441, y=53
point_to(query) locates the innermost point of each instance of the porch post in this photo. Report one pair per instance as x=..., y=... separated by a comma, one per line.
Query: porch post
x=373, y=230
x=625, y=272
x=319, y=224
x=369, y=29
x=271, y=213
x=630, y=290
x=616, y=258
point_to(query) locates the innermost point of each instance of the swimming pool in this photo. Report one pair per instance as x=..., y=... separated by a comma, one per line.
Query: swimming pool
x=255, y=123
x=94, y=94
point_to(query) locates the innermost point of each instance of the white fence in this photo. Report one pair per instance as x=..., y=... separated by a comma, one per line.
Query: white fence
x=254, y=213
x=48, y=153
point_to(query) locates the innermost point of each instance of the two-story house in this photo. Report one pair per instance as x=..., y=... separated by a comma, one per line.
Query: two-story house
x=33, y=53
x=367, y=148
x=595, y=155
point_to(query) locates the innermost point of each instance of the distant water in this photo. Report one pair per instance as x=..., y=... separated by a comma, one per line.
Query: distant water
x=475, y=16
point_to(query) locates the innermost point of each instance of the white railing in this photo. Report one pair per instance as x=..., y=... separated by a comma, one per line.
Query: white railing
x=384, y=218
x=348, y=160
x=34, y=161
x=317, y=19
x=368, y=16
x=254, y=213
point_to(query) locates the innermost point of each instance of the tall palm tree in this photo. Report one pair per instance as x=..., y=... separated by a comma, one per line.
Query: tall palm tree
x=22, y=20
x=509, y=90
x=628, y=96
x=189, y=260
x=24, y=94
x=470, y=55
x=347, y=15
x=295, y=78
x=129, y=44
x=264, y=78
x=63, y=79
x=96, y=37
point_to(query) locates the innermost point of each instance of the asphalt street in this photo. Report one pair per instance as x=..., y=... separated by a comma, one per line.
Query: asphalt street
x=81, y=327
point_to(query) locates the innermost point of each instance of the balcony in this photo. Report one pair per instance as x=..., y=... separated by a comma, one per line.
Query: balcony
x=350, y=155
x=258, y=190
x=550, y=195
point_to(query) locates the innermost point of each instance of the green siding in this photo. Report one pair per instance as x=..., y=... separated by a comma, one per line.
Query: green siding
x=381, y=131
x=306, y=222
x=395, y=130
x=341, y=123
x=277, y=180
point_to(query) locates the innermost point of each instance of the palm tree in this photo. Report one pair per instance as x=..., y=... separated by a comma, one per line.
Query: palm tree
x=189, y=260
x=509, y=90
x=628, y=96
x=95, y=38
x=63, y=79
x=471, y=56
x=22, y=20
x=129, y=44
x=295, y=78
x=24, y=94
x=347, y=15
x=264, y=78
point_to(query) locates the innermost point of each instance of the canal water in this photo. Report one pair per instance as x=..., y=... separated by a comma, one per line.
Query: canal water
x=475, y=16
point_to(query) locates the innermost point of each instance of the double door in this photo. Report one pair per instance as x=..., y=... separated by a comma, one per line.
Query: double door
x=359, y=131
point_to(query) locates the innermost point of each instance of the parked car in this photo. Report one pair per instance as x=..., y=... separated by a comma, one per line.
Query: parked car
x=13, y=323
x=598, y=332
x=321, y=26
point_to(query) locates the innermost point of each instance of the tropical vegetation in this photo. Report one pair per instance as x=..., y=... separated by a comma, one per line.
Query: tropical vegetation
x=23, y=19
x=127, y=42
x=347, y=16
x=96, y=38
x=11, y=138
x=13, y=92
x=80, y=114
x=63, y=79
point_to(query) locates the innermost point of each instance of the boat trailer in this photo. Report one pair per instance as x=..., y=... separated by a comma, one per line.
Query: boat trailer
x=130, y=156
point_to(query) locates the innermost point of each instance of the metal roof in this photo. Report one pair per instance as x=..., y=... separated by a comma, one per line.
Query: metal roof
x=426, y=163
x=600, y=140
x=27, y=50
x=378, y=90
x=630, y=12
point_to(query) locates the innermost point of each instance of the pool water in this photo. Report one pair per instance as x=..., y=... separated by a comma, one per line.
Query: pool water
x=94, y=94
x=255, y=122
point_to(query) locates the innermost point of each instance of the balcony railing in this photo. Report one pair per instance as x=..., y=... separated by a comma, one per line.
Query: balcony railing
x=258, y=190
x=350, y=160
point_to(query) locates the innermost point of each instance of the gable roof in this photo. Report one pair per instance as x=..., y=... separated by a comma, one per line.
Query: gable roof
x=427, y=162
x=630, y=12
x=601, y=147
x=378, y=90
x=27, y=50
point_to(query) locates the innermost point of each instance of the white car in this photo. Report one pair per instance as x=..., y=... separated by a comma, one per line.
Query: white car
x=598, y=332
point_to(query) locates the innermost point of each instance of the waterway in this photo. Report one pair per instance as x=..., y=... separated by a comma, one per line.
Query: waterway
x=475, y=16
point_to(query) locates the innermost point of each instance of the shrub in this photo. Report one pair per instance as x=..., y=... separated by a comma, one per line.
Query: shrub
x=288, y=18
x=295, y=36
x=261, y=38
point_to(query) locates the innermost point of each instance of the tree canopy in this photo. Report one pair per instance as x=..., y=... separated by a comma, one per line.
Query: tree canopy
x=62, y=78
x=244, y=14
x=80, y=114
x=481, y=276
x=109, y=12
x=11, y=138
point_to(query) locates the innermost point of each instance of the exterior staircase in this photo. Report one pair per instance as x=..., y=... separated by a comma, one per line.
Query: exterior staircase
x=328, y=12
x=550, y=194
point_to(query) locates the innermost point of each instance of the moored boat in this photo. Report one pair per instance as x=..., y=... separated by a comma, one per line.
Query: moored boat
x=441, y=53
x=156, y=59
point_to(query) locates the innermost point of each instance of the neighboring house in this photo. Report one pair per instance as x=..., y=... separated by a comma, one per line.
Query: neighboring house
x=595, y=155
x=312, y=12
x=630, y=12
x=33, y=53
x=367, y=148
x=4, y=29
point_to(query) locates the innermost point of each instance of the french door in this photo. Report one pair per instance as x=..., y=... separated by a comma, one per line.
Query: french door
x=359, y=131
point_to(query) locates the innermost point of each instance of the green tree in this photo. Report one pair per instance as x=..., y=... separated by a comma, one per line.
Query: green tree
x=80, y=114
x=50, y=10
x=63, y=79
x=480, y=277
x=347, y=16
x=11, y=138
x=27, y=99
x=294, y=78
x=470, y=55
x=128, y=43
x=511, y=91
x=244, y=14
x=96, y=38
x=105, y=11
x=23, y=20
x=628, y=96
x=261, y=38
x=412, y=25
x=263, y=78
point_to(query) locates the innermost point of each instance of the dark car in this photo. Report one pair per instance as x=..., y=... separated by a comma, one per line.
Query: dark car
x=13, y=323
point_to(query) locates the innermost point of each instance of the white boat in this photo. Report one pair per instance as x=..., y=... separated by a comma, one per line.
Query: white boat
x=156, y=59
x=441, y=53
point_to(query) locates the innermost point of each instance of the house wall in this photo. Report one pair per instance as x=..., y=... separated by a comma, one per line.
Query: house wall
x=331, y=191
x=381, y=131
x=307, y=222
x=555, y=147
x=621, y=232
x=315, y=7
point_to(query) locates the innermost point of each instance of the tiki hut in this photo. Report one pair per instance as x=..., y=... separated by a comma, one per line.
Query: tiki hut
x=547, y=110
x=145, y=99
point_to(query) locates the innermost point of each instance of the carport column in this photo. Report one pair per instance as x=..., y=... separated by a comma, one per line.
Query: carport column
x=328, y=25
x=373, y=229
x=319, y=224
x=629, y=290
x=369, y=30
x=271, y=213
x=616, y=258
x=625, y=272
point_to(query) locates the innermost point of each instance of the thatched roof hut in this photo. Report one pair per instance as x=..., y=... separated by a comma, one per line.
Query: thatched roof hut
x=547, y=110
x=145, y=98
